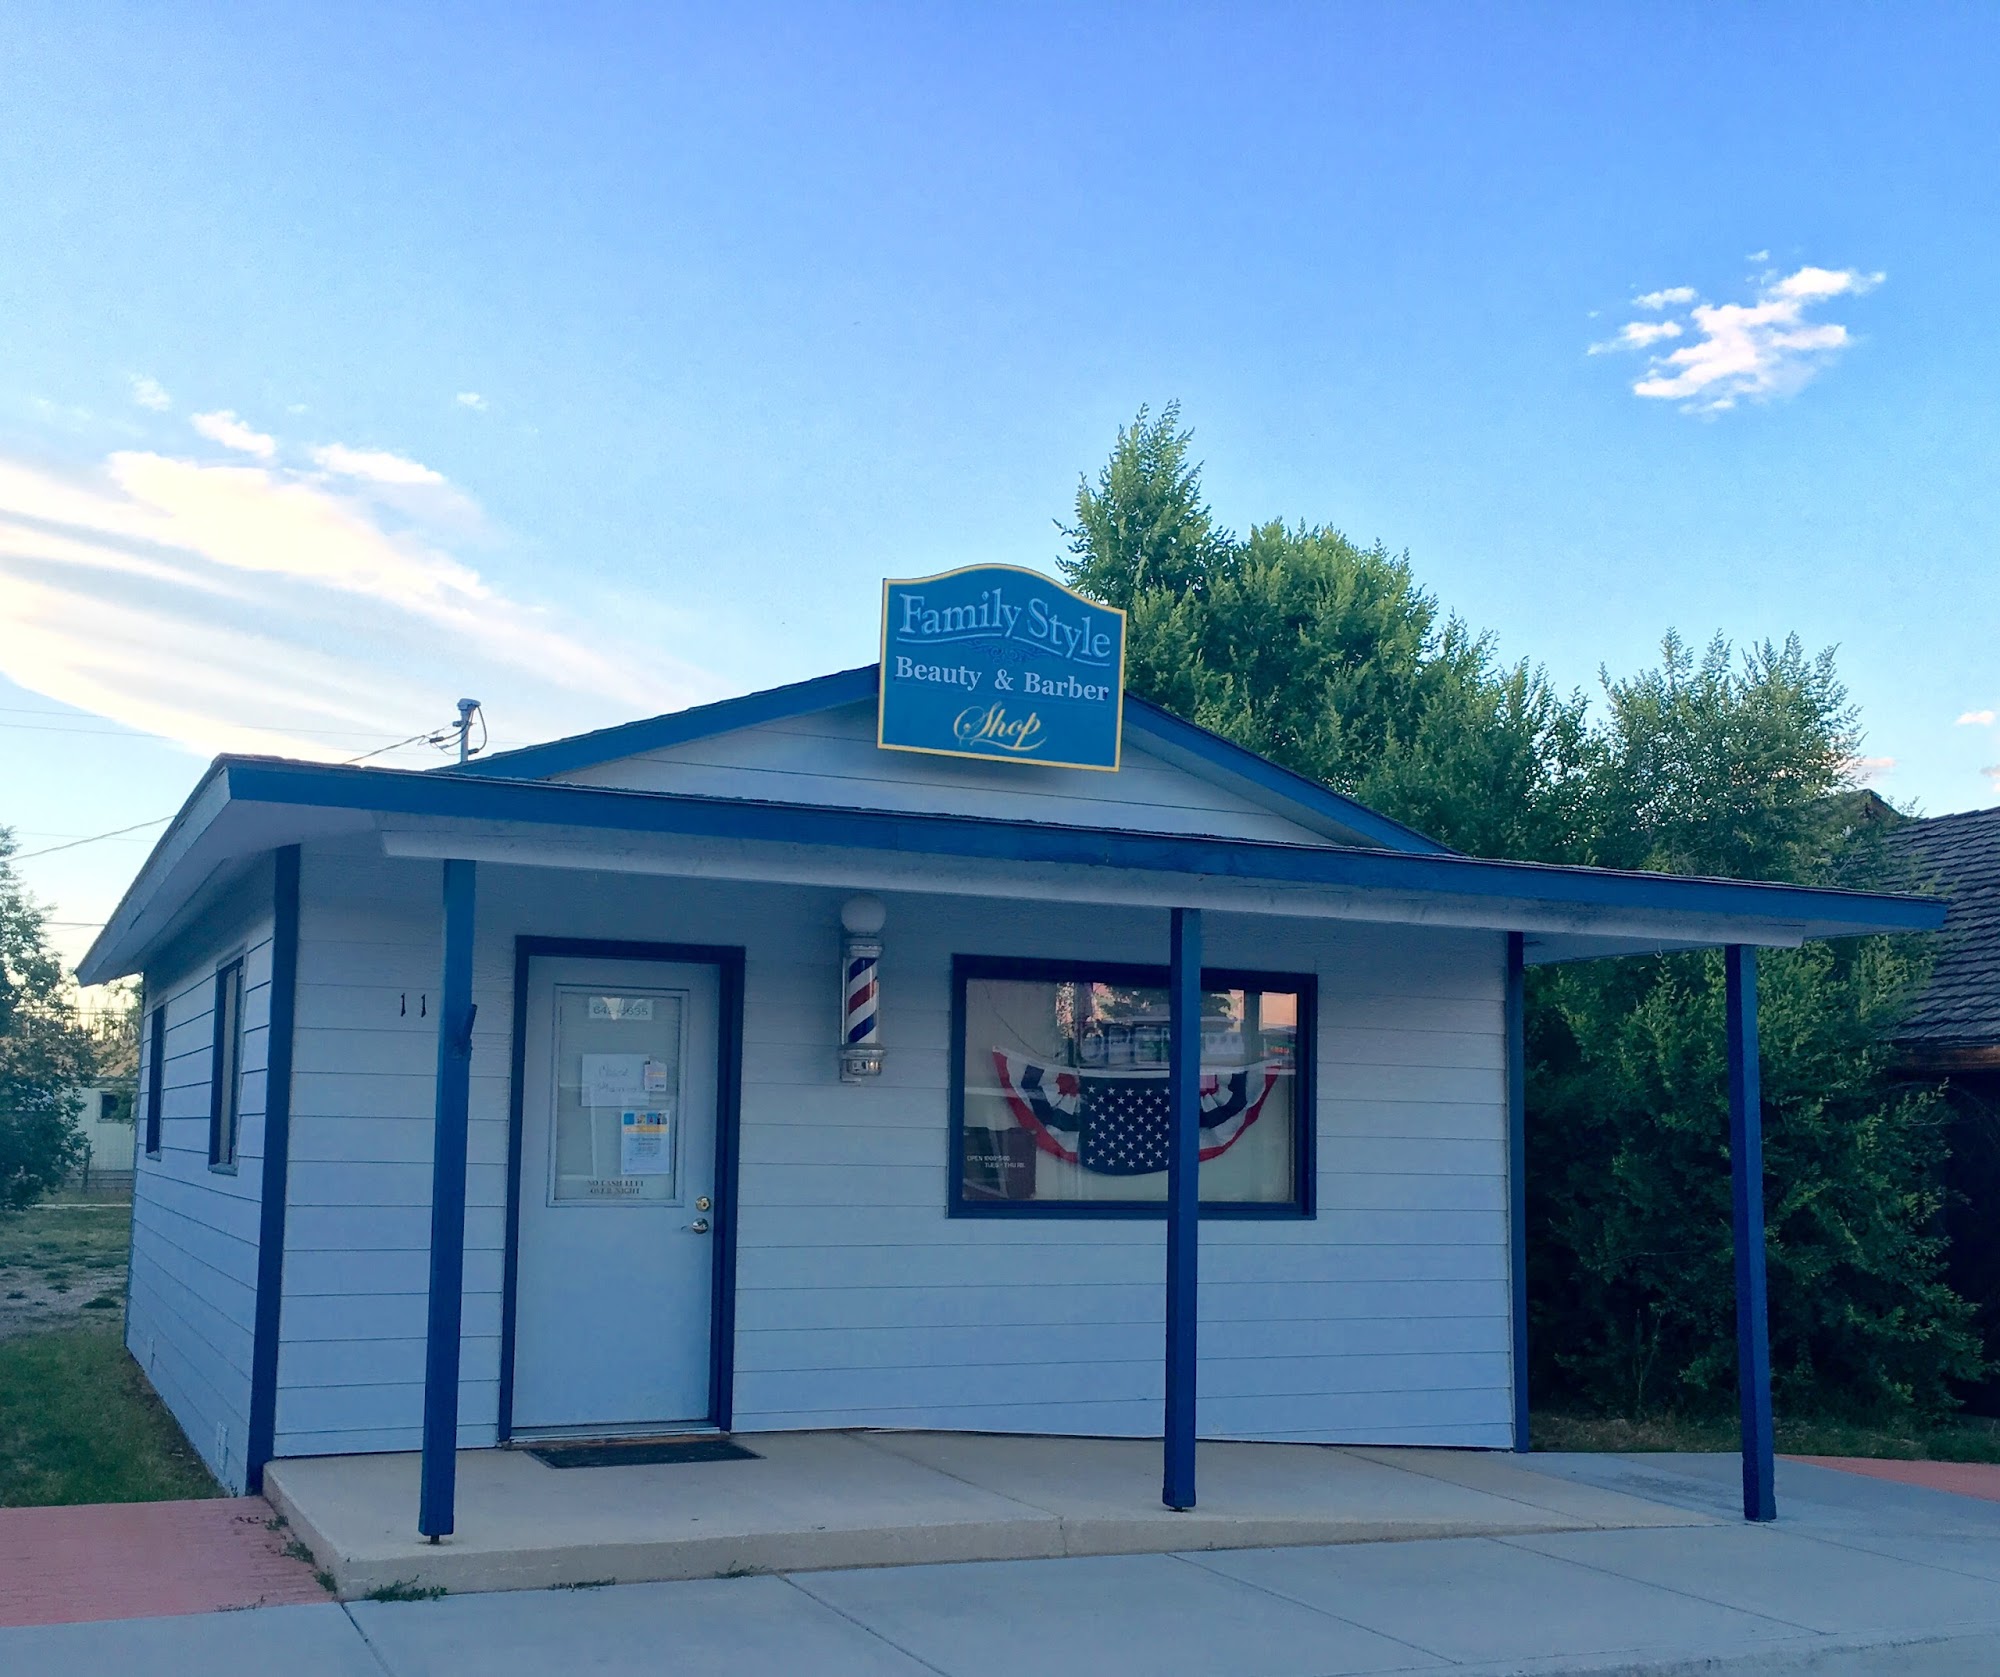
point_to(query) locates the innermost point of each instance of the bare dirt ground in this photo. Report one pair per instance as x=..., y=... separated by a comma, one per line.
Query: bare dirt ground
x=62, y=1266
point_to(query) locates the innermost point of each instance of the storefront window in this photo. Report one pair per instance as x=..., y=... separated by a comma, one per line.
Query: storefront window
x=1062, y=1096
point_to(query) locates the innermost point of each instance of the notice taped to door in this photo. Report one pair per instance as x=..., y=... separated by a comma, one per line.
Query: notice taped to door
x=646, y=1141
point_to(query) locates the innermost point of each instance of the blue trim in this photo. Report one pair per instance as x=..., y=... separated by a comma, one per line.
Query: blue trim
x=437, y=1496
x=657, y=733
x=1516, y=1010
x=1183, y=1204
x=1304, y=1201
x=510, y=1262
x=728, y=1130
x=284, y=996
x=727, y=959
x=156, y=1074
x=1294, y=788
x=1746, y=1184
x=225, y=1096
x=1809, y=910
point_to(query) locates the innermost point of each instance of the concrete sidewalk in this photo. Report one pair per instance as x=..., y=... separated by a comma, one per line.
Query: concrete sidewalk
x=1859, y=1576
x=817, y=1501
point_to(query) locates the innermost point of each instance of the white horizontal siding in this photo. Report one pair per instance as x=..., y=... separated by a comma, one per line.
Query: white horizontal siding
x=191, y=1321
x=859, y=1302
x=831, y=758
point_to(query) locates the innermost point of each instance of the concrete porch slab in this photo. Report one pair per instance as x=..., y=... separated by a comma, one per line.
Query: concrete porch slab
x=816, y=1501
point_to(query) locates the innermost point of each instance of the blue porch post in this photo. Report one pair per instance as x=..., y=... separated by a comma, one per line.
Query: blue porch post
x=1183, y=1201
x=438, y=1496
x=1746, y=1178
x=1517, y=1172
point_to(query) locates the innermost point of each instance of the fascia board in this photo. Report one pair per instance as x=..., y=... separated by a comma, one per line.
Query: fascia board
x=657, y=733
x=1818, y=912
x=1577, y=931
x=103, y=961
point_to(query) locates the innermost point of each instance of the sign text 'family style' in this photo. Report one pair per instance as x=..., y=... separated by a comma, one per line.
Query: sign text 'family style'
x=1001, y=663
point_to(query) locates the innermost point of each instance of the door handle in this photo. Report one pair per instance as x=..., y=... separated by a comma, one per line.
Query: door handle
x=699, y=1225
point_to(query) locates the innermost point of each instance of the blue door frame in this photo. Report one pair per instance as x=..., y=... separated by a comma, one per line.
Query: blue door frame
x=728, y=962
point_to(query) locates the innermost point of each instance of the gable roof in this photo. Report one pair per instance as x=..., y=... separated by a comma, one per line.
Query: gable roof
x=1959, y=856
x=1196, y=750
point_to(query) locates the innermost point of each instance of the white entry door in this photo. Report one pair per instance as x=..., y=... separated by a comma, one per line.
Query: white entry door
x=617, y=1254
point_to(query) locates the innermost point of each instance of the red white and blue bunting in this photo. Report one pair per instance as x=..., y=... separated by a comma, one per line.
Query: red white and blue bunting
x=1118, y=1123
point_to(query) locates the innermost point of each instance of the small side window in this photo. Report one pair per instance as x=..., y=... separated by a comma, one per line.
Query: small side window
x=226, y=1068
x=156, y=1076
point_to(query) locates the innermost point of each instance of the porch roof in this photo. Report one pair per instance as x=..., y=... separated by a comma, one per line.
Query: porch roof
x=247, y=806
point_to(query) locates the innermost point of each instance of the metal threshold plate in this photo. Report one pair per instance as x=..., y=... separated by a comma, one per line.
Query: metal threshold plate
x=641, y=1452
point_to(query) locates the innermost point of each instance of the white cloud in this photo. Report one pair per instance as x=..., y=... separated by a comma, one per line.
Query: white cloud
x=1638, y=334
x=1992, y=773
x=1758, y=256
x=377, y=465
x=260, y=607
x=1754, y=351
x=1975, y=719
x=150, y=393
x=473, y=400
x=225, y=428
x=1817, y=284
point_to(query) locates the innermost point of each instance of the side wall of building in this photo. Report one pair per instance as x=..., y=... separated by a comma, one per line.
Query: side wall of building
x=860, y=1302
x=192, y=1312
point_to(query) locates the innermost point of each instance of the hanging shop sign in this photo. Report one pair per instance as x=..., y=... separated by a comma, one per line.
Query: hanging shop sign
x=996, y=662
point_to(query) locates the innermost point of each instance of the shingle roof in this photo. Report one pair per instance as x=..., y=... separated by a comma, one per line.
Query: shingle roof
x=1959, y=855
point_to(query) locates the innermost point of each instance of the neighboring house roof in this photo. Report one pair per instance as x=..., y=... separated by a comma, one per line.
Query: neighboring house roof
x=1958, y=1018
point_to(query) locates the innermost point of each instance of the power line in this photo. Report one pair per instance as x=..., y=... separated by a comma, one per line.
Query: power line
x=116, y=832
x=436, y=736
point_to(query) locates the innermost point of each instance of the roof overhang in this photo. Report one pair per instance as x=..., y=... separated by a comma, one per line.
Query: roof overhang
x=248, y=806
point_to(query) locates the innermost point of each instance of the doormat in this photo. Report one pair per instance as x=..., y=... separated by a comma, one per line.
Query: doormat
x=642, y=1452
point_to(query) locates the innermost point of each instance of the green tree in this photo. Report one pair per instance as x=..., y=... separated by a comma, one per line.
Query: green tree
x=1326, y=656
x=1738, y=768
x=1329, y=657
x=45, y=1054
x=1145, y=525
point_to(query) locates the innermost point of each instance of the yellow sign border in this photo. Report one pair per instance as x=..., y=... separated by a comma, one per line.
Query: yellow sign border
x=882, y=676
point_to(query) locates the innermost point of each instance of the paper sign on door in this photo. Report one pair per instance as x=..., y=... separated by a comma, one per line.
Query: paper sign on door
x=623, y=1080
x=646, y=1141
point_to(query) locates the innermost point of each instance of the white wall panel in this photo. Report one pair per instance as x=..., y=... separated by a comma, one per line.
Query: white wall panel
x=859, y=1302
x=191, y=1319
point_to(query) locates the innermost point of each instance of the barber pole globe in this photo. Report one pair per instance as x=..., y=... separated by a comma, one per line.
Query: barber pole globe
x=861, y=919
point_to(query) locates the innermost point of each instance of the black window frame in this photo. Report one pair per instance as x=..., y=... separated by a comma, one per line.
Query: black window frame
x=225, y=1087
x=1302, y=1207
x=156, y=1075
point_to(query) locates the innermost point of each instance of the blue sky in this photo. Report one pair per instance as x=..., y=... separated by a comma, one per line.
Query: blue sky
x=596, y=360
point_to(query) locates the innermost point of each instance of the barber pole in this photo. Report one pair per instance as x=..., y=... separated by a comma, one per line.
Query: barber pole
x=861, y=920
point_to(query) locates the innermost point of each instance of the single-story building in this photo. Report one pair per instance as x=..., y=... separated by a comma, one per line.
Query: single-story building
x=839, y=1056
x=104, y=1115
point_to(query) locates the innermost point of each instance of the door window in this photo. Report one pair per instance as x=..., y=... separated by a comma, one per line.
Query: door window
x=618, y=1097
